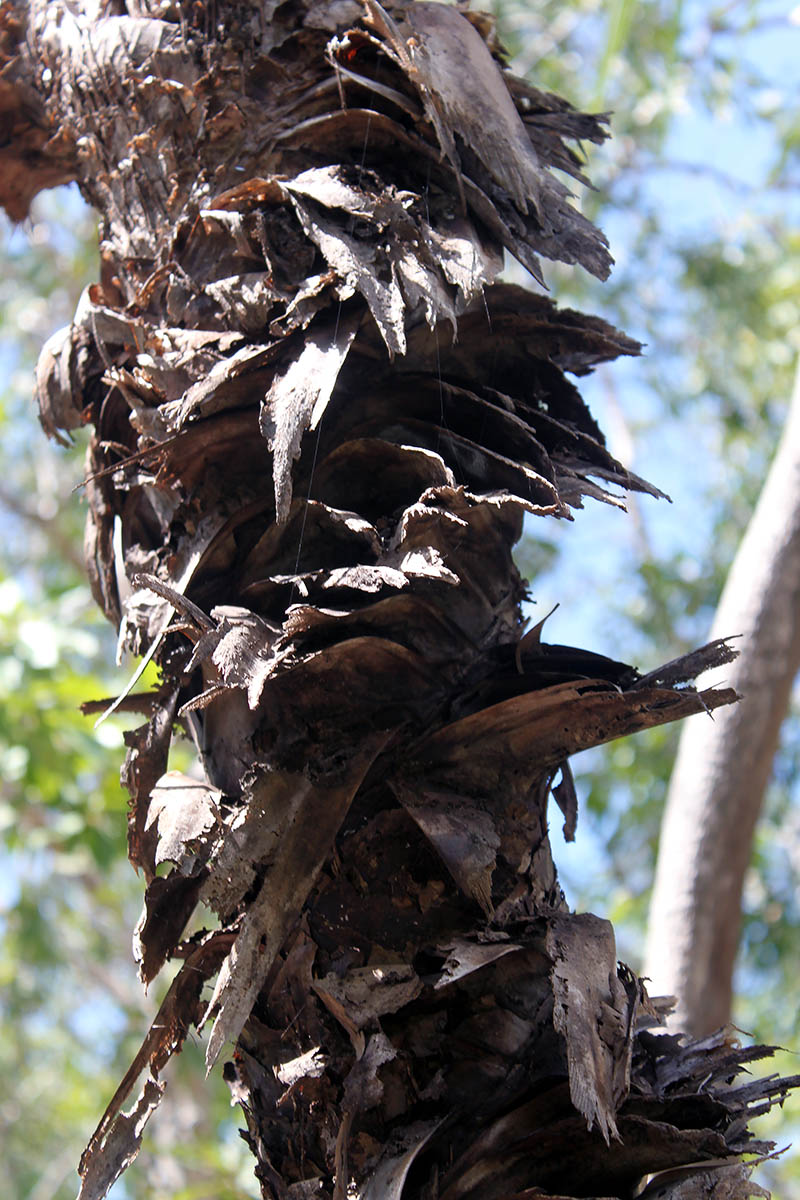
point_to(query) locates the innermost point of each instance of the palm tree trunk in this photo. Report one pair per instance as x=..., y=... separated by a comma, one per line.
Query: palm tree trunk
x=318, y=424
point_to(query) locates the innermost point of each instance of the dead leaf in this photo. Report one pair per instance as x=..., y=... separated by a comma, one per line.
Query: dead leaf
x=464, y=957
x=296, y=400
x=185, y=810
x=304, y=818
x=309, y=1065
x=567, y=800
x=117, y=1139
x=387, y=1180
x=362, y=1087
x=463, y=835
x=591, y=1013
x=121, y=1144
x=364, y=994
x=168, y=904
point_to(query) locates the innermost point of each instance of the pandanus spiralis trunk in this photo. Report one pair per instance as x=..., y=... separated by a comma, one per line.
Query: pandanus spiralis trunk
x=318, y=423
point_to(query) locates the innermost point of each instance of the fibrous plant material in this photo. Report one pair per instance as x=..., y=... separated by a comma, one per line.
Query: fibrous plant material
x=318, y=423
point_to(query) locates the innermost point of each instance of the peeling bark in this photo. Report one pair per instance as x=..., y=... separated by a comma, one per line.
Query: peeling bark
x=318, y=423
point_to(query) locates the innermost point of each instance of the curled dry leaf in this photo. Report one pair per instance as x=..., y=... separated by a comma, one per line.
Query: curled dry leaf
x=185, y=811
x=591, y=1012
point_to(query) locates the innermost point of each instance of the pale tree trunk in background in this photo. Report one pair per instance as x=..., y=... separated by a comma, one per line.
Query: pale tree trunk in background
x=303, y=500
x=723, y=765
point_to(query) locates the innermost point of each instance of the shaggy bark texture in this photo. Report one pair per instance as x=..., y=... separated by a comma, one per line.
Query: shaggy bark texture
x=318, y=424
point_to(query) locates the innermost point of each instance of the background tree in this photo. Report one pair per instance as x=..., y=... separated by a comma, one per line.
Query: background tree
x=710, y=276
x=721, y=774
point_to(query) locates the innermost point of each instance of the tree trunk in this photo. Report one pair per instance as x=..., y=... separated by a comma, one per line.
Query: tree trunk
x=304, y=492
x=723, y=767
